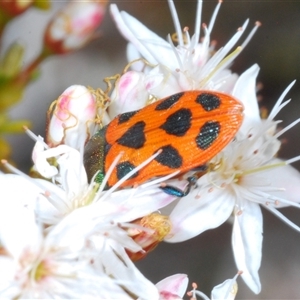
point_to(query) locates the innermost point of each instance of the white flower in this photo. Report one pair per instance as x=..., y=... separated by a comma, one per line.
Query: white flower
x=34, y=266
x=242, y=177
x=83, y=255
x=191, y=65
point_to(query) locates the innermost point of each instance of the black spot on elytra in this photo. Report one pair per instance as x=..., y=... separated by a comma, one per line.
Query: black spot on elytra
x=208, y=101
x=124, y=168
x=134, y=137
x=169, y=157
x=169, y=102
x=126, y=116
x=178, y=123
x=208, y=134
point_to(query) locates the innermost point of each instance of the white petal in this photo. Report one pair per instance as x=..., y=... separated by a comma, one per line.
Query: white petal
x=72, y=231
x=286, y=178
x=247, y=244
x=51, y=208
x=72, y=172
x=135, y=203
x=129, y=94
x=169, y=84
x=9, y=289
x=132, y=54
x=245, y=91
x=226, y=290
x=34, y=198
x=199, y=211
x=175, y=284
x=18, y=228
x=152, y=47
x=122, y=268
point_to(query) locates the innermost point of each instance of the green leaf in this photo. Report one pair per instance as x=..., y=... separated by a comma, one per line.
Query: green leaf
x=5, y=149
x=42, y=4
x=10, y=94
x=12, y=62
x=14, y=127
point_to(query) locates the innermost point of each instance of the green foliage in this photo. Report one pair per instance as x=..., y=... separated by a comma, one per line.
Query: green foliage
x=11, y=63
x=42, y=4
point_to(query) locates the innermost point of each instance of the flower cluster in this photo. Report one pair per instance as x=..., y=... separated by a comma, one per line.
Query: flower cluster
x=63, y=235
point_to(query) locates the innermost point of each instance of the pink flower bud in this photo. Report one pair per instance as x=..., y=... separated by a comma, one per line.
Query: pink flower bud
x=72, y=119
x=74, y=26
x=132, y=92
x=15, y=7
x=173, y=287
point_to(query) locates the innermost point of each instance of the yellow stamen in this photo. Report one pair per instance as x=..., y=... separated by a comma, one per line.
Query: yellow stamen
x=262, y=168
x=160, y=223
x=219, y=66
x=146, y=62
x=40, y=272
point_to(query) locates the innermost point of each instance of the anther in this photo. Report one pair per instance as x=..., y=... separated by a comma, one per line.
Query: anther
x=213, y=43
x=47, y=194
x=239, y=213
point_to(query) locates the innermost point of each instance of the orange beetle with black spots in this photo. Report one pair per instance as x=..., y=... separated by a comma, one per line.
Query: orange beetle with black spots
x=188, y=128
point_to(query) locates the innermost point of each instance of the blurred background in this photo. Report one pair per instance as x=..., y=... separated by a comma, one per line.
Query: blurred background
x=207, y=259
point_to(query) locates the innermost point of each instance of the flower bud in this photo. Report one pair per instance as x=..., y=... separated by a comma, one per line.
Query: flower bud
x=15, y=7
x=12, y=62
x=71, y=120
x=158, y=227
x=74, y=26
x=132, y=92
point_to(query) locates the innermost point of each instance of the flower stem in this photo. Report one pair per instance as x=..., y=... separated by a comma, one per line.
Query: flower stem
x=26, y=75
